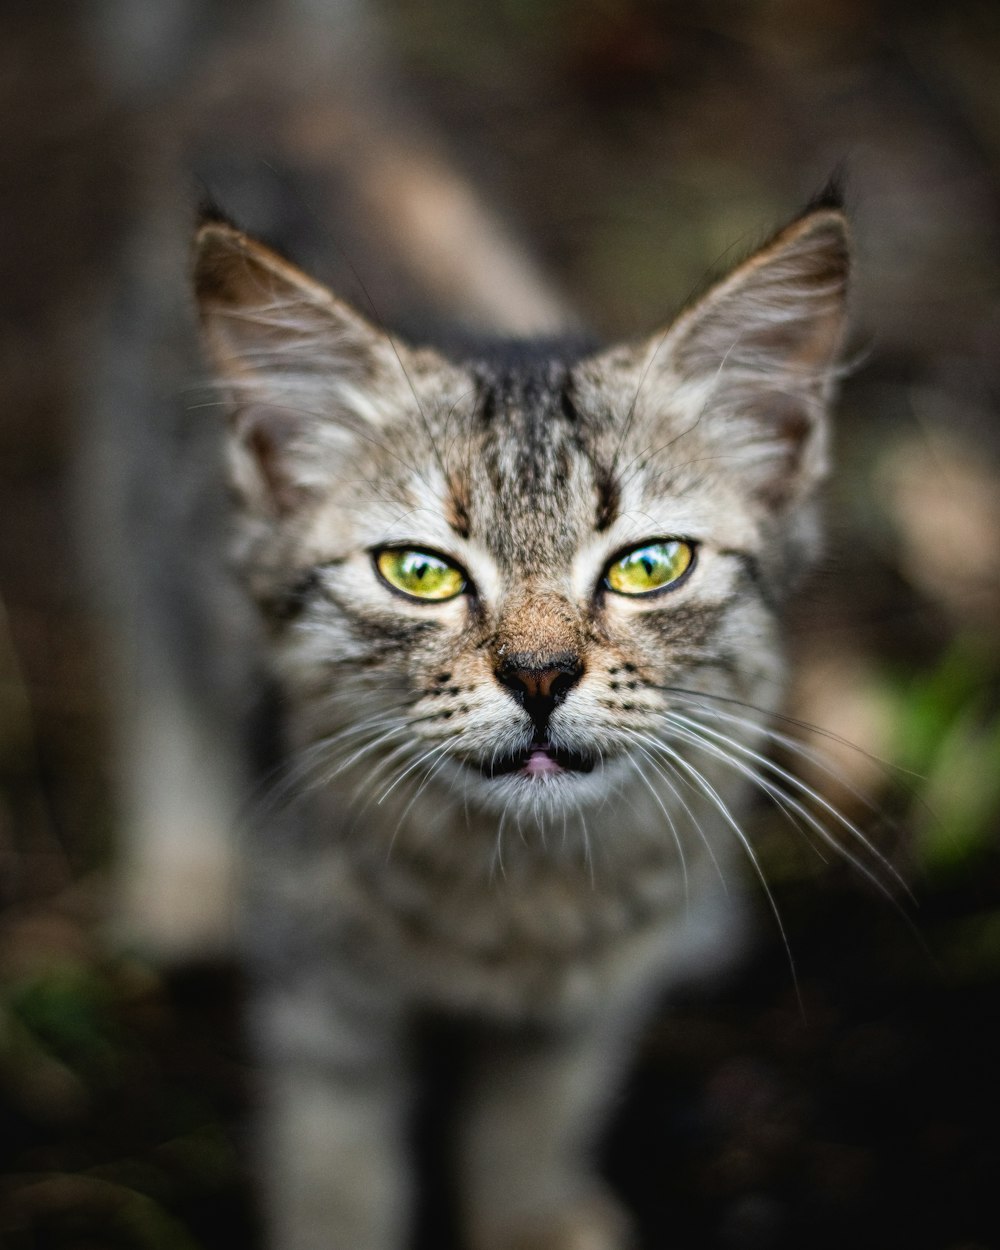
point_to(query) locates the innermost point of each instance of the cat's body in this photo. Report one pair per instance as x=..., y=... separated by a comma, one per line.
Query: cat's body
x=522, y=615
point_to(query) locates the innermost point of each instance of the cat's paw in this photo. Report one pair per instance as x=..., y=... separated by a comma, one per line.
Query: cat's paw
x=596, y=1222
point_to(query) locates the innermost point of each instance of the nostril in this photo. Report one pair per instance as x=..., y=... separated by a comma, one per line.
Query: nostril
x=539, y=687
x=562, y=683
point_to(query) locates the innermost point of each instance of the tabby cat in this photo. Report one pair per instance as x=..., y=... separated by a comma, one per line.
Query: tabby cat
x=522, y=614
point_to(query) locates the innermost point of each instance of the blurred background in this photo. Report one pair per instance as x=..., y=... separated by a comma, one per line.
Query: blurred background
x=499, y=162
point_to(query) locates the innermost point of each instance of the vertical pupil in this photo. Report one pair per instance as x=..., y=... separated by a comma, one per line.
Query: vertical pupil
x=648, y=564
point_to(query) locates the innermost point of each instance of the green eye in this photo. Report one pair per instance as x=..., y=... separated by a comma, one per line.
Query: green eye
x=650, y=567
x=420, y=574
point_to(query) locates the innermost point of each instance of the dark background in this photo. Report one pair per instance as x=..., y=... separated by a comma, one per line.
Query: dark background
x=635, y=146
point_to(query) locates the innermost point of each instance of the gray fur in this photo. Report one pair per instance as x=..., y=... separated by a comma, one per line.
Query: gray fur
x=393, y=872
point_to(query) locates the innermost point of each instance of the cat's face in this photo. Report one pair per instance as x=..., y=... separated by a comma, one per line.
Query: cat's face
x=511, y=581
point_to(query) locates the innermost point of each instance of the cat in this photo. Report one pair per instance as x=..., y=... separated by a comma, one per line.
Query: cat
x=521, y=608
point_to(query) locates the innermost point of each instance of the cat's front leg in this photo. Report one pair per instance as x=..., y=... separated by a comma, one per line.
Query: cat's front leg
x=530, y=1126
x=331, y=1158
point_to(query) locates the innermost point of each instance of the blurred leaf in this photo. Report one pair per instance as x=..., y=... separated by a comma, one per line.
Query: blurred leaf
x=33, y=1077
x=962, y=793
x=68, y=1011
x=947, y=726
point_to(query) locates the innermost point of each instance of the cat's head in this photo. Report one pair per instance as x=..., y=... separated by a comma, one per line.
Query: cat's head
x=511, y=579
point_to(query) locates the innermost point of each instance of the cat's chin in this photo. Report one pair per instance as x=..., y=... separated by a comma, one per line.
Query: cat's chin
x=538, y=762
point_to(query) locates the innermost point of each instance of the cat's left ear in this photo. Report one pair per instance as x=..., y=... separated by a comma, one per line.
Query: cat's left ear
x=307, y=378
x=750, y=367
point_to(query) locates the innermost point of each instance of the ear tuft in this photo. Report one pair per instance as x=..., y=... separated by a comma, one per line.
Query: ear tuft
x=832, y=194
x=210, y=212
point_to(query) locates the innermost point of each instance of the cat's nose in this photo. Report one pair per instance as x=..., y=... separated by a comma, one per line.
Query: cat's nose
x=540, y=686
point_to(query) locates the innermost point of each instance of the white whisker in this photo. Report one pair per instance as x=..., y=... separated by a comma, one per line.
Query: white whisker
x=656, y=745
x=698, y=730
x=815, y=757
x=663, y=808
x=429, y=754
x=720, y=805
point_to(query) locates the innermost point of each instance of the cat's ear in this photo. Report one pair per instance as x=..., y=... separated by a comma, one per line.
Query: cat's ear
x=762, y=348
x=304, y=375
x=751, y=365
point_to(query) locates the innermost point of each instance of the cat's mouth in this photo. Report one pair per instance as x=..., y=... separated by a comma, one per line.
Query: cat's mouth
x=539, y=759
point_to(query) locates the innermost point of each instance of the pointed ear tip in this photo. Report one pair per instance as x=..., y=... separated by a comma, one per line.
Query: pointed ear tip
x=215, y=244
x=217, y=235
x=820, y=218
x=823, y=231
x=208, y=210
x=211, y=222
x=228, y=262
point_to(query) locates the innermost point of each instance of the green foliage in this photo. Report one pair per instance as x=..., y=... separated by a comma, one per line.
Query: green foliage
x=67, y=1009
x=947, y=723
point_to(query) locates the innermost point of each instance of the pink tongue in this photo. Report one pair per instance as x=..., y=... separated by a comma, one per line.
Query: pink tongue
x=540, y=762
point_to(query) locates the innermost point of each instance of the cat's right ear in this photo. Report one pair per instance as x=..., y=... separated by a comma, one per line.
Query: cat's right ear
x=304, y=375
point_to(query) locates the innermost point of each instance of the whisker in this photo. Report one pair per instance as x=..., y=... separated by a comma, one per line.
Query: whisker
x=379, y=767
x=293, y=773
x=803, y=788
x=720, y=805
x=823, y=763
x=428, y=777
x=782, y=798
x=663, y=808
x=498, y=844
x=885, y=765
x=790, y=808
x=441, y=746
x=656, y=745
